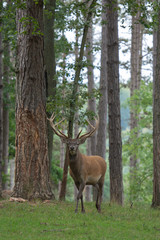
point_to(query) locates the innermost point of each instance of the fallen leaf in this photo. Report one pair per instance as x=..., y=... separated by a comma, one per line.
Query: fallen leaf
x=20, y=200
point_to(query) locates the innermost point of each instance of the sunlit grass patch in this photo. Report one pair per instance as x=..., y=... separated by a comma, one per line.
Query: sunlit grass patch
x=57, y=220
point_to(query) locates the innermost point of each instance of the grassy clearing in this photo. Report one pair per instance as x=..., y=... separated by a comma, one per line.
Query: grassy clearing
x=57, y=220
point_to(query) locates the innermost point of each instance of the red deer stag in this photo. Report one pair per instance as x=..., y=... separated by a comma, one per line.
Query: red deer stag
x=85, y=170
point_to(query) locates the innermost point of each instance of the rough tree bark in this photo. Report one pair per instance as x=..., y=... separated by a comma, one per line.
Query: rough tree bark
x=32, y=179
x=156, y=115
x=6, y=112
x=50, y=65
x=1, y=105
x=115, y=142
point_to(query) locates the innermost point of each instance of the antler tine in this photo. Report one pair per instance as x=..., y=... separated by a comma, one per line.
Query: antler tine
x=57, y=131
x=90, y=133
x=59, y=122
x=90, y=124
x=52, y=117
x=79, y=134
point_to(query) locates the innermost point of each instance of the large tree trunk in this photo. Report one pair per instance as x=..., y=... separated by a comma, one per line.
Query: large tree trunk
x=6, y=113
x=115, y=142
x=136, y=62
x=102, y=108
x=156, y=118
x=1, y=108
x=32, y=179
x=49, y=54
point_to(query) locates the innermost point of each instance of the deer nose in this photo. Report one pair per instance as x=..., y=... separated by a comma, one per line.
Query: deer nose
x=71, y=148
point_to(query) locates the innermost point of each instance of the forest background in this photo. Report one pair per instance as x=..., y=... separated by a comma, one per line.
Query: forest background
x=64, y=23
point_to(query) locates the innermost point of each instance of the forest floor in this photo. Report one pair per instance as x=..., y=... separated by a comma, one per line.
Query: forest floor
x=57, y=220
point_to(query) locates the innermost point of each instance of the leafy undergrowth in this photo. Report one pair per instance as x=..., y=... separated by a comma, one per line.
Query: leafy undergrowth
x=57, y=220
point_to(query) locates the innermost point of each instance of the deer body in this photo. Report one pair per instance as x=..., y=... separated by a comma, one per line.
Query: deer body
x=89, y=169
x=85, y=170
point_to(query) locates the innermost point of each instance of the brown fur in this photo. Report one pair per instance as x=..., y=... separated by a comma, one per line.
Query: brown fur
x=85, y=170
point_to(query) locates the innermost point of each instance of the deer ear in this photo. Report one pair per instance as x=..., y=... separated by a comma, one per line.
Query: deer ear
x=64, y=140
x=81, y=141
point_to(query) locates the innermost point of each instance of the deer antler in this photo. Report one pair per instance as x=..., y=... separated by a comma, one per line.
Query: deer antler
x=57, y=131
x=91, y=132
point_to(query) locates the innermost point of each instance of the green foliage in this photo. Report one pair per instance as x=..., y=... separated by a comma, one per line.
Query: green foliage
x=9, y=24
x=147, y=9
x=63, y=48
x=20, y=4
x=36, y=1
x=140, y=146
x=5, y=178
x=56, y=171
x=61, y=103
x=57, y=220
x=30, y=21
x=69, y=16
x=9, y=39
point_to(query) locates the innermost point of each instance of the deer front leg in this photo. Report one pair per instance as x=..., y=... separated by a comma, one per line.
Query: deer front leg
x=99, y=197
x=81, y=188
x=82, y=205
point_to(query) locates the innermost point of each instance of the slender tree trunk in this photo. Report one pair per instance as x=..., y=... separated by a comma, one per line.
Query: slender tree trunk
x=88, y=189
x=115, y=142
x=91, y=86
x=91, y=101
x=12, y=173
x=62, y=145
x=6, y=113
x=32, y=178
x=76, y=126
x=74, y=96
x=1, y=105
x=76, y=131
x=136, y=62
x=156, y=114
x=49, y=57
x=103, y=102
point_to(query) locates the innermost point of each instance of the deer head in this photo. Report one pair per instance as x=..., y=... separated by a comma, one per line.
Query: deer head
x=72, y=144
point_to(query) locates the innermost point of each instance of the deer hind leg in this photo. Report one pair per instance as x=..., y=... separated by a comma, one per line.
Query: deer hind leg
x=97, y=200
x=80, y=196
x=99, y=187
x=100, y=199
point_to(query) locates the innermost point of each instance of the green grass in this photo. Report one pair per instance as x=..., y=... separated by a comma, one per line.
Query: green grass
x=57, y=220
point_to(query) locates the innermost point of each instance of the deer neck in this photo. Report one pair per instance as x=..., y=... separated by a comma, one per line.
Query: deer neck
x=75, y=160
